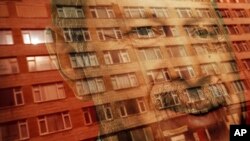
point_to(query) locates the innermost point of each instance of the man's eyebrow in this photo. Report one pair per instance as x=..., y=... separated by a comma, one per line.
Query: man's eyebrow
x=192, y=21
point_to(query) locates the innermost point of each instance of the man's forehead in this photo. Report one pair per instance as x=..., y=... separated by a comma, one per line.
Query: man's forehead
x=159, y=3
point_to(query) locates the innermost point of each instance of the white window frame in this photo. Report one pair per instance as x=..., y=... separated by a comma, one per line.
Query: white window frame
x=240, y=13
x=89, y=82
x=239, y=84
x=130, y=76
x=246, y=64
x=87, y=112
x=188, y=68
x=200, y=93
x=161, y=99
x=29, y=39
x=232, y=65
x=84, y=59
x=148, y=29
x=7, y=37
x=107, y=108
x=140, y=102
x=205, y=68
x=243, y=45
x=204, y=13
x=64, y=12
x=200, y=49
x=116, y=31
x=12, y=64
x=140, y=10
x=38, y=89
x=218, y=90
x=123, y=55
x=16, y=92
x=163, y=10
x=163, y=71
x=123, y=107
x=109, y=11
x=181, y=49
x=44, y=119
x=70, y=31
x=156, y=50
x=187, y=10
x=23, y=123
x=52, y=61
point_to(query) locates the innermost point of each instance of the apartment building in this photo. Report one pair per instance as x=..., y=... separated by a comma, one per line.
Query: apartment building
x=116, y=70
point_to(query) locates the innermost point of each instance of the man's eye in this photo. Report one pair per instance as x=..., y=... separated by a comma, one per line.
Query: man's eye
x=201, y=32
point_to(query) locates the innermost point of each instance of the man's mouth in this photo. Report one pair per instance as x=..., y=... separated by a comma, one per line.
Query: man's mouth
x=199, y=108
x=198, y=101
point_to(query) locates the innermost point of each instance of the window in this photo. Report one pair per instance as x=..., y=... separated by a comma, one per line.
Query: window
x=8, y=66
x=142, y=134
x=170, y=31
x=176, y=51
x=14, y=130
x=195, y=94
x=11, y=97
x=41, y=63
x=76, y=34
x=130, y=107
x=204, y=13
x=54, y=123
x=185, y=72
x=110, y=138
x=191, y=30
x=239, y=86
x=109, y=34
x=158, y=75
x=102, y=12
x=240, y=13
x=241, y=46
x=144, y=32
x=89, y=115
x=122, y=81
x=48, y=92
x=152, y=53
x=124, y=135
x=246, y=63
x=107, y=111
x=220, y=47
x=37, y=36
x=84, y=59
x=229, y=66
x=90, y=86
x=134, y=12
x=160, y=12
x=70, y=12
x=178, y=138
x=184, y=12
x=209, y=69
x=116, y=57
x=167, y=99
x=141, y=104
x=232, y=29
x=246, y=28
x=223, y=13
x=200, y=49
x=218, y=90
x=213, y=30
x=6, y=37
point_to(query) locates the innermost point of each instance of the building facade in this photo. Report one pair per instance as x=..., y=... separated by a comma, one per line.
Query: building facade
x=121, y=70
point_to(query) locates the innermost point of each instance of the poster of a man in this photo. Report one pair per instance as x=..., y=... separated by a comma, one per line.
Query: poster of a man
x=133, y=70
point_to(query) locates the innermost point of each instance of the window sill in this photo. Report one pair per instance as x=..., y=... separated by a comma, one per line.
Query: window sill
x=44, y=134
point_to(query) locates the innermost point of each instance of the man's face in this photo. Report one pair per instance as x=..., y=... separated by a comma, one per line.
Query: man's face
x=181, y=49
